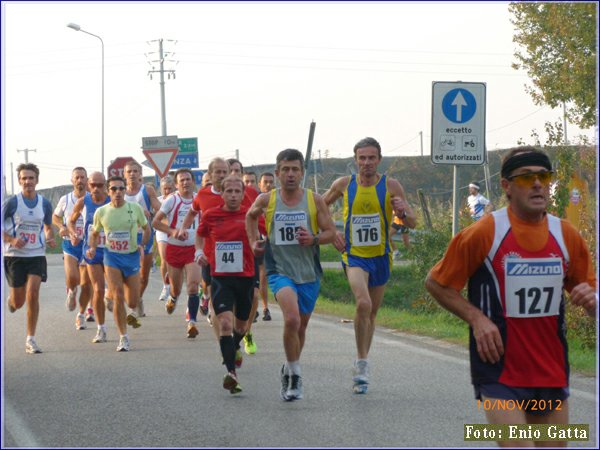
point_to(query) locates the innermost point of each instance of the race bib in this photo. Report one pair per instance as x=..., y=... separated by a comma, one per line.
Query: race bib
x=79, y=229
x=287, y=224
x=533, y=287
x=366, y=230
x=118, y=242
x=30, y=233
x=229, y=257
x=101, y=239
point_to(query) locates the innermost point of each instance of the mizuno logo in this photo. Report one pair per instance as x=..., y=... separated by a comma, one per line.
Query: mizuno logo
x=364, y=220
x=534, y=268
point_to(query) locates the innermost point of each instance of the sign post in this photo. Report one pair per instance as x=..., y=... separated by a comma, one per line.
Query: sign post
x=161, y=152
x=458, y=129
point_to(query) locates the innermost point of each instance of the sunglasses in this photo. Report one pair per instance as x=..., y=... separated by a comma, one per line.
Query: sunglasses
x=117, y=188
x=528, y=179
x=96, y=185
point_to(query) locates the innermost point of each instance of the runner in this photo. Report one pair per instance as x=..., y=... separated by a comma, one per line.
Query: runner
x=294, y=217
x=75, y=271
x=232, y=273
x=26, y=229
x=265, y=184
x=518, y=261
x=120, y=221
x=370, y=200
x=206, y=198
x=85, y=208
x=167, y=186
x=180, y=251
x=145, y=196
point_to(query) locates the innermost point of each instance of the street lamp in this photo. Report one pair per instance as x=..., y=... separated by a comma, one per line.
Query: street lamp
x=76, y=27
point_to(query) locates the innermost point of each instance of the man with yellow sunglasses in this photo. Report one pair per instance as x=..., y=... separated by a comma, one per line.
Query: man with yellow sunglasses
x=518, y=261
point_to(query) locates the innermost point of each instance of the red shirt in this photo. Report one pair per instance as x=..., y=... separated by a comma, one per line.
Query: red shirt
x=231, y=254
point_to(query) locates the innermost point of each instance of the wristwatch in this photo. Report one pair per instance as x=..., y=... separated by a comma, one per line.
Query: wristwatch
x=315, y=240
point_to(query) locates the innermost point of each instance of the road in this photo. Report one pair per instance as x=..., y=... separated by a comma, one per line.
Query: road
x=166, y=392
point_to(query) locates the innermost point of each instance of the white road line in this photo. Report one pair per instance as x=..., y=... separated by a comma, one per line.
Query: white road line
x=17, y=428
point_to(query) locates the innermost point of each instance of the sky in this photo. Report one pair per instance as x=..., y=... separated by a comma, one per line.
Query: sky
x=250, y=76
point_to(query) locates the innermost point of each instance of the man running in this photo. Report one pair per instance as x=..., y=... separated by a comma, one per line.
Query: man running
x=180, y=250
x=370, y=200
x=145, y=196
x=265, y=184
x=518, y=261
x=26, y=229
x=167, y=186
x=120, y=221
x=294, y=216
x=232, y=273
x=75, y=271
x=85, y=208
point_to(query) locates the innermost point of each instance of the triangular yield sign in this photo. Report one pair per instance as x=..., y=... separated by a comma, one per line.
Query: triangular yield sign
x=161, y=159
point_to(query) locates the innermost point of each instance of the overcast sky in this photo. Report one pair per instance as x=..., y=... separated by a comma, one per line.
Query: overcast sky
x=249, y=76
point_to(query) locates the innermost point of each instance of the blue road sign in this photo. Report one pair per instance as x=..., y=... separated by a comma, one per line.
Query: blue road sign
x=459, y=105
x=188, y=160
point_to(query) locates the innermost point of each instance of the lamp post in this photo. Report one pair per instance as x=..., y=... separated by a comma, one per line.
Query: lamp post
x=76, y=27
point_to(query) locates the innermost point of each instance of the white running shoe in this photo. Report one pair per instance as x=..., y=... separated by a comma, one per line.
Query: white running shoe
x=164, y=294
x=71, y=299
x=80, y=322
x=123, y=344
x=100, y=336
x=32, y=347
x=360, y=377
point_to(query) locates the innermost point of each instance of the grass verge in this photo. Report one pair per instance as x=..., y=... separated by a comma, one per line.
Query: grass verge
x=400, y=312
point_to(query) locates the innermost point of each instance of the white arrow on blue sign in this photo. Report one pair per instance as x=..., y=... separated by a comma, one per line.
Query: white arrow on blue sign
x=459, y=105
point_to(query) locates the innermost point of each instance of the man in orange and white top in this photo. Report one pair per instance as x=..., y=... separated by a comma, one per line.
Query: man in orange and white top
x=180, y=246
x=518, y=261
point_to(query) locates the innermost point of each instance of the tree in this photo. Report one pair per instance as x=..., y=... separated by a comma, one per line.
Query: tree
x=558, y=52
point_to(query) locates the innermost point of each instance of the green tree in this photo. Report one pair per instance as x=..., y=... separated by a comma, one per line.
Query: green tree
x=558, y=52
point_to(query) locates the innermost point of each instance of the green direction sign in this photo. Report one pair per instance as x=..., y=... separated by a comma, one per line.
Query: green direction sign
x=188, y=145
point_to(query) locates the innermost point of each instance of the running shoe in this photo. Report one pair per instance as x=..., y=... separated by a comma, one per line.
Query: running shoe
x=100, y=336
x=360, y=377
x=209, y=318
x=204, y=306
x=230, y=382
x=266, y=315
x=109, y=304
x=133, y=321
x=249, y=344
x=71, y=299
x=295, y=390
x=170, y=305
x=255, y=317
x=192, y=330
x=140, y=308
x=123, y=344
x=239, y=359
x=89, y=315
x=80, y=322
x=164, y=294
x=285, y=383
x=32, y=347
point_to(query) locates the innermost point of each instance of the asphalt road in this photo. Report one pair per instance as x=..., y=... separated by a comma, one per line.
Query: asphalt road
x=166, y=392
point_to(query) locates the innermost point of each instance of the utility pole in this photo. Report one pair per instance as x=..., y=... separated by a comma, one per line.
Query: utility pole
x=27, y=150
x=421, y=135
x=170, y=72
x=237, y=154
